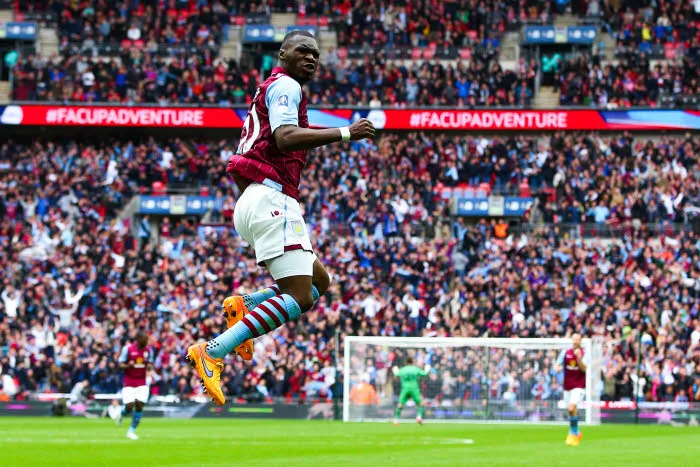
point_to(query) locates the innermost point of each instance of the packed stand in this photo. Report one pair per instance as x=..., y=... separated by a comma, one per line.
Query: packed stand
x=142, y=77
x=78, y=284
x=667, y=29
x=145, y=24
x=645, y=31
x=378, y=82
x=137, y=78
x=584, y=80
x=418, y=24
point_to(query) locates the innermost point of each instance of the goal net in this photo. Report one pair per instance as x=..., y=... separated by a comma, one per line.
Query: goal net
x=470, y=379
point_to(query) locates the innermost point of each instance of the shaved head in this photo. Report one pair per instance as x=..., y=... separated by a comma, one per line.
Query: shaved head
x=299, y=55
x=296, y=33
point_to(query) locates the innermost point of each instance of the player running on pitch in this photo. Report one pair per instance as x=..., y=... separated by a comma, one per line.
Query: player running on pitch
x=135, y=360
x=267, y=169
x=574, y=365
x=409, y=376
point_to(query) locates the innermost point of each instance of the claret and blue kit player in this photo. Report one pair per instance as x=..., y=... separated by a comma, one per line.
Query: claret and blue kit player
x=135, y=361
x=267, y=169
x=574, y=363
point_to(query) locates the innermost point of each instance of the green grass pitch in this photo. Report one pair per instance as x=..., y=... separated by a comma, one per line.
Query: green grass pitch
x=72, y=442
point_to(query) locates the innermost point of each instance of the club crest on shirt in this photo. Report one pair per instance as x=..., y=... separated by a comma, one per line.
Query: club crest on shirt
x=297, y=228
x=283, y=101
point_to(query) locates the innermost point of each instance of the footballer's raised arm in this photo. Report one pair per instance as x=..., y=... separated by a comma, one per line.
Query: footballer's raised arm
x=283, y=98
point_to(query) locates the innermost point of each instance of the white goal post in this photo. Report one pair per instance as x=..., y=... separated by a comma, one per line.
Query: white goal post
x=486, y=380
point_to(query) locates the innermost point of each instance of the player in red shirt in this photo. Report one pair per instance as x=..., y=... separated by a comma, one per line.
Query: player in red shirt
x=574, y=366
x=267, y=170
x=135, y=360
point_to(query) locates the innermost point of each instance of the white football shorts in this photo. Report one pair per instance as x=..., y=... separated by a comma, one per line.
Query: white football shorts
x=272, y=223
x=574, y=396
x=135, y=393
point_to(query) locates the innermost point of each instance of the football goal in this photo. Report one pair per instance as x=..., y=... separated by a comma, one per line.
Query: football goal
x=469, y=379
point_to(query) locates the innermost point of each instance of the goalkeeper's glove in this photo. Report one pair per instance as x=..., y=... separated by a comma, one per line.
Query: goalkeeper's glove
x=395, y=370
x=427, y=367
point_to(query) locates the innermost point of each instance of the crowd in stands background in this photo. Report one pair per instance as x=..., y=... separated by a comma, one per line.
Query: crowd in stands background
x=77, y=284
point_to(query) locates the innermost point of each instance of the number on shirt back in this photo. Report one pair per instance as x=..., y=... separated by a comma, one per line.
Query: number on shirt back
x=251, y=128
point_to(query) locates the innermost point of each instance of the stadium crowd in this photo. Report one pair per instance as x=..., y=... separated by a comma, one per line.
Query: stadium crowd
x=136, y=78
x=417, y=24
x=666, y=32
x=142, y=77
x=143, y=23
x=666, y=28
x=371, y=23
x=632, y=82
x=78, y=282
x=166, y=52
x=379, y=82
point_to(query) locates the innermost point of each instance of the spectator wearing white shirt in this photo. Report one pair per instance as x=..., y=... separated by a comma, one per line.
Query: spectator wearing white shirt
x=88, y=79
x=134, y=33
x=11, y=299
x=371, y=306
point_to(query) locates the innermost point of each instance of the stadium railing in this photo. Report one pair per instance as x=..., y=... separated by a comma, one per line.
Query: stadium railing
x=330, y=106
x=116, y=48
x=593, y=230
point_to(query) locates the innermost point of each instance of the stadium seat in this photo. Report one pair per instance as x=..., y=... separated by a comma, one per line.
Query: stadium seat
x=416, y=53
x=670, y=50
x=465, y=53
x=524, y=188
x=159, y=188
x=484, y=188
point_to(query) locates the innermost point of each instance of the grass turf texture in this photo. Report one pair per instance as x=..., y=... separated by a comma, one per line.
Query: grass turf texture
x=238, y=442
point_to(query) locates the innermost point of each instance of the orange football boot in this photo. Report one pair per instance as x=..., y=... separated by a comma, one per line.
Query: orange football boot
x=209, y=370
x=234, y=311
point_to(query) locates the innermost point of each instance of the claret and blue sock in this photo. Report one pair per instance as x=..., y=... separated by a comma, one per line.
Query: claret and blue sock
x=269, y=313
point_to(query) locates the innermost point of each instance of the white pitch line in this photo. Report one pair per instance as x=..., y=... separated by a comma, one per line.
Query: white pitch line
x=449, y=441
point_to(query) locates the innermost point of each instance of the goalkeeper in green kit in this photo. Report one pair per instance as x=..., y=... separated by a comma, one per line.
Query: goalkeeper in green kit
x=409, y=387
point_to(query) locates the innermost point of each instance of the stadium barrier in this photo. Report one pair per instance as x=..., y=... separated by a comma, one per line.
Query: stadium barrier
x=169, y=407
x=384, y=119
x=672, y=413
x=594, y=230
